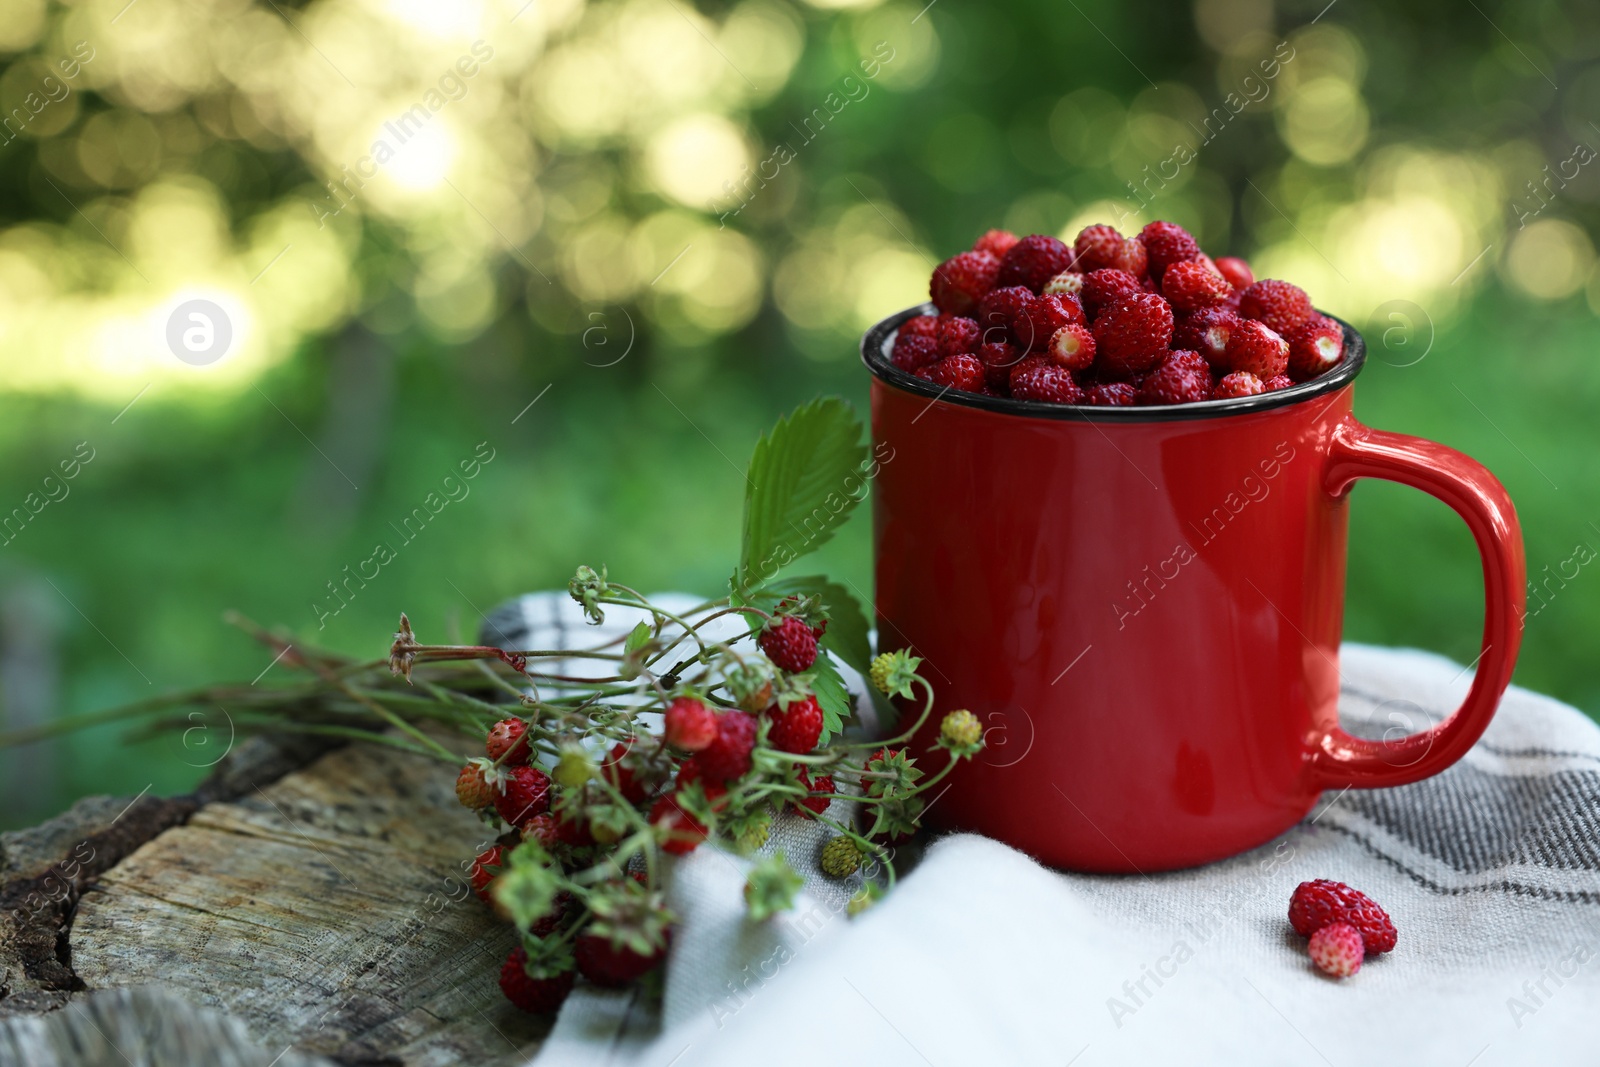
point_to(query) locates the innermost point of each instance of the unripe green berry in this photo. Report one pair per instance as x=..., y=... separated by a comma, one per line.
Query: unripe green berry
x=879, y=672
x=841, y=857
x=961, y=729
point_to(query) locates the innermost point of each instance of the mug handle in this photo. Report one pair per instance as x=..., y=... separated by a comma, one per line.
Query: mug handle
x=1356, y=451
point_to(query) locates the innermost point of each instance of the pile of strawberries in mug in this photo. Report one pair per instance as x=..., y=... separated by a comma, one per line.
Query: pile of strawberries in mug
x=1113, y=321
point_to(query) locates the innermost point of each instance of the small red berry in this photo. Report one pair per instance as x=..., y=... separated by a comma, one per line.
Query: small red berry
x=1255, y=347
x=1132, y=335
x=1044, y=316
x=1175, y=384
x=921, y=326
x=789, y=642
x=1071, y=347
x=545, y=829
x=796, y=728
x=1318, y=903
x=685, y=832
x=527, y=793
x=1032, y=261
x=1025, y=364
x=508, y=736
x=1192, y=285
x=960, y=281
x=728, y=757
x=1000, y=309
x=1239, y=383
x=913, y=351
x=998, y=359
x=1104, y=287
x=689, y=724
x=1113, y=395
x=964, y=372
x=621, y=775
x=1047, y=382
x=814, y=804
x=1237, y=271
x=1336, y=949
x=1068, y=282
x=1207, y=332
x=1099, y=247
x=540, y=996
x=958, y=335
x=1281, y=305
x=1168, y=243
x=1278, y=381
x=610, y=965
x=481, y=875
x=995, y=242
x=1188, y=360
x=1315, y=346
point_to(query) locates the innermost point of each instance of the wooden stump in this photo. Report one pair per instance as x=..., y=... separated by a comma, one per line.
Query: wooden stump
x=303, y=899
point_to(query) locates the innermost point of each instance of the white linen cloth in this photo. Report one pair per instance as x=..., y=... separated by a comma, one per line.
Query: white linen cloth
x=1491, y=872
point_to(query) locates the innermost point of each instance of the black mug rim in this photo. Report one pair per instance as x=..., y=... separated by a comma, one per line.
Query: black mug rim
x=875, y=342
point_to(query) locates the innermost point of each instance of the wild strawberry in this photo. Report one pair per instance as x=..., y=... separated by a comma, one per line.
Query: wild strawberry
x=1131, y=335
x=1000, y=309
x=1047, y=382
x=1316, y=345
x=1237, y=271
x=540, y=996
x=689, y=724
x=1098, y=247
x=471, y=789
x=964, y=372
x=1032, y=261
x=796, y=728
x=1192, y=285
x=1167, y=243
x=609, y=965
x=998, y=360
x=1207, y=332
x=1278, y=381
x=1071, y=347
x=912, y=352
x=958, y=335
x=508, y=739
x=485, y=868
x=1104, y=287
x=526, y=794
x=1175, y=384
x=684, y=831
x=1112, y=394
x=690, y=771
x=619, y=774
x=1318, y=903
x=1254, y=347
x=1044, y=316
x=1026, y=364
x=792, y=603
x=960, y=281
x=921, y=326
x=789, y=642
x=728, y=757
x=1188, y=360
x=1280, y=305
x=1068, y=282
x=995, y=242
x=817, y=802
x=574, y=832
x=1239, y=383
x=841, y=857
x=545, y=829
x=1336, y=949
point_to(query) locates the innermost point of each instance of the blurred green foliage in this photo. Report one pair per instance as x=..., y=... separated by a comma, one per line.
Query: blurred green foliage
x=254, y=496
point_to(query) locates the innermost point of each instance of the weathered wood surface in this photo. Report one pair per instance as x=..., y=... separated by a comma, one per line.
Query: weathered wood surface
x=319, y=910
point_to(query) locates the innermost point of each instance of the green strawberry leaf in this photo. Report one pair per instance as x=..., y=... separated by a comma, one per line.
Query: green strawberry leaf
x=832, y=697
x=805, y=477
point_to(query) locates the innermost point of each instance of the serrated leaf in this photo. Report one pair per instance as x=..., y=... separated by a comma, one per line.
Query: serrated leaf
x=804, y=479
x=832, y=697
x=637, y=638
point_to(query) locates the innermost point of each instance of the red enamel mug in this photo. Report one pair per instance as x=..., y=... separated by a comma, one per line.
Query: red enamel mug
x=1144, y=605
